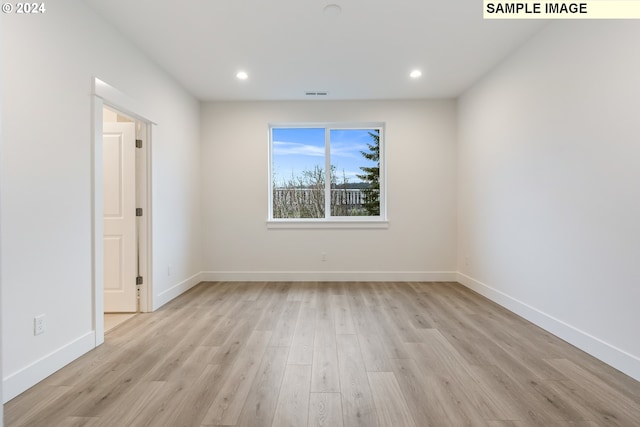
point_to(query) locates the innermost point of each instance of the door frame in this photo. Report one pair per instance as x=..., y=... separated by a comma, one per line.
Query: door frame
x=103, y=95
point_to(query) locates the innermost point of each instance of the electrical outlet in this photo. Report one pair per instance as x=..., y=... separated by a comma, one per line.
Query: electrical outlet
x=323, y=256
x=168, y=270
x=39, y=325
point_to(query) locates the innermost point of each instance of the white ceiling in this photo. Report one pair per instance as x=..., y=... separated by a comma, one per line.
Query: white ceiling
x=289, y=47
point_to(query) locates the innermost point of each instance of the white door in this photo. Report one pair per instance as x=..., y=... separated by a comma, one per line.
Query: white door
x=120, y=251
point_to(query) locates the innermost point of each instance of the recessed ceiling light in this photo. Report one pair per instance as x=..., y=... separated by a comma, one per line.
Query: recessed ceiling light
x=242, y=75
x=415, y=74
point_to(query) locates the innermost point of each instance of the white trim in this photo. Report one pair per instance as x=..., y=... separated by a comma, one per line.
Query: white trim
x=97, y=231
x=332, y=125
x=30, y=375
x=329, y=276
x=1, y=380
x=327, y=173
x=143, y=200
x=165, y=296
x=119, y=101
x=609, y=354
x=325, y=224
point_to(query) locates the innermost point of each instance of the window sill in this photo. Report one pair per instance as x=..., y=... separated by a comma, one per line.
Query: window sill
x=327, y=224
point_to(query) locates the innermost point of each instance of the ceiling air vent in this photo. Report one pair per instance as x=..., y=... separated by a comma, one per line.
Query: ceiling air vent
x=317, y=93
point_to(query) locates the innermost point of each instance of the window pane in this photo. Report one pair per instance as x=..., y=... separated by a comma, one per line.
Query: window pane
x=298, y=156
x=355, y=172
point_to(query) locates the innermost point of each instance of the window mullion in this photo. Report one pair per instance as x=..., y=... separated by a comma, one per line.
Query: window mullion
x=327, y=175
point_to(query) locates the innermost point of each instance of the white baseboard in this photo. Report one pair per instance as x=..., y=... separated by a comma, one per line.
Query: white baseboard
x=609, y=354
x=329, y=276
x=30, y=375
x=176, y=290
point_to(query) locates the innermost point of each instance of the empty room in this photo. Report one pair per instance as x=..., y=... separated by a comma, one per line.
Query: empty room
x=319, y=213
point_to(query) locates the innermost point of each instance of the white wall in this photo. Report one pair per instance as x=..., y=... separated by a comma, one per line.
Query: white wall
x=420, y=152
x=1, y=161
x=549, y=201
x=48, y=65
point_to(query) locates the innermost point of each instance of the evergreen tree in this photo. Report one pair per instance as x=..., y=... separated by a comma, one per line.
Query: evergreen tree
x=371, y=175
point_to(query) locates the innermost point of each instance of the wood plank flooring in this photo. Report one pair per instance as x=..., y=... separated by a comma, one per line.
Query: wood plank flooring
x=330, y=354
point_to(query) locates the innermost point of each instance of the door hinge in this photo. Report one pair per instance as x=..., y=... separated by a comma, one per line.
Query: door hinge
x=138, y=143
x=138, y=211
x=139, y=280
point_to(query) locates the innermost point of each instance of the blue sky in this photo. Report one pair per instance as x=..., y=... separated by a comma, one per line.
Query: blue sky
x=298, y=149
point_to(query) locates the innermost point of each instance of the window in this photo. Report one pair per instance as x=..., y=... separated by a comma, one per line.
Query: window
x=327, y=173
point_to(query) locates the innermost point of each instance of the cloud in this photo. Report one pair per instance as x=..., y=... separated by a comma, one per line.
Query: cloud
x=296, y=148
x=348, y=150
x=337, y=149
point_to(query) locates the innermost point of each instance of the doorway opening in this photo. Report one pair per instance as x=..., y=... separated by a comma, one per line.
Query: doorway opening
x=121, y=243
x=123, y=141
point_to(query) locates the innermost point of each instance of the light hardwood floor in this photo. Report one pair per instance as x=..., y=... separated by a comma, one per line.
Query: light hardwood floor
x=113, y=320
x=334, y=355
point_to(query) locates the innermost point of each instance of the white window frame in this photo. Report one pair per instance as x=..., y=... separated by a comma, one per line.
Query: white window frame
x=329, y=221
